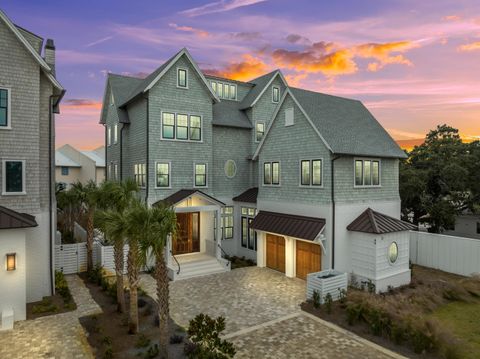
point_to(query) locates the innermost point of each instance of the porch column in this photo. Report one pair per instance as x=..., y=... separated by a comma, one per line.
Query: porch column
x=218, y=243
x=168, y=248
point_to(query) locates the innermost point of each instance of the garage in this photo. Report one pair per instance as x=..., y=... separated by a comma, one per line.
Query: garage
x=308, y=259
x=276, y=252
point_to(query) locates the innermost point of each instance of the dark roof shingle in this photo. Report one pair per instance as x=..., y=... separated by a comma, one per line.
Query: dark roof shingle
x=182, y=194
x=374, y=222
x=288, y=224
x=228, y=113
x=10, y=219
x=249, y=196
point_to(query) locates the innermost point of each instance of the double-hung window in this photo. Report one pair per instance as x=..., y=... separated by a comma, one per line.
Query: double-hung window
x=249, y=236
x=13, y=177
x=271, y=173
x=182, y=78
x=168, y=125
x=227, y=222
x=195, y=128
x=259, y=131
x=367, y=173
x=311, y=172
x=182, y=127
x=140, y=174
x=225, y=90
x=275, y=94
x=4, y=108
x=200, y=174
x=163, y=174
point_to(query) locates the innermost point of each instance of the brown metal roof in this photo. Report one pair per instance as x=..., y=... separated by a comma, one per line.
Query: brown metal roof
x=249, y=196
x=288, y=224
x=371, y=221
x=10, y=219
x=185, y=193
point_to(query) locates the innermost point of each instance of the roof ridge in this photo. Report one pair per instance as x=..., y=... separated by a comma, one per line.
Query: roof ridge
x=371, y=215
x=324, y=94
x=127, y=76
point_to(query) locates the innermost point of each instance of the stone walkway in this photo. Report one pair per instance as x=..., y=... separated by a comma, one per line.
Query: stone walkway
x=55, y=336
x=263, y=315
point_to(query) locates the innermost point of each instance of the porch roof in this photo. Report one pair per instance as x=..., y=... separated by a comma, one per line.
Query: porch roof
x=374, y=222
x=249, y=196
x=183, y=194
x=10, y=219
x=288, y=224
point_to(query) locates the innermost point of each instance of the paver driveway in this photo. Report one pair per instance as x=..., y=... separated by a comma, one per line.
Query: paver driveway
x=263, y=315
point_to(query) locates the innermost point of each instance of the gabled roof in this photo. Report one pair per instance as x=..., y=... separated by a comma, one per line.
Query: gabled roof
x=261, y=84
x=10, y=219
x=64, y=161
x=374, y=222
x=183, y=194
x=288, y=225
x=156, y=75
x=228, y=113
x=95, y=156
x=249, y=196
x=34, y=40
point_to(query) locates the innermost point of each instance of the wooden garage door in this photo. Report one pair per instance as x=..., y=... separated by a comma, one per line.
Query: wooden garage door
x=309, y=259
x=276, y=252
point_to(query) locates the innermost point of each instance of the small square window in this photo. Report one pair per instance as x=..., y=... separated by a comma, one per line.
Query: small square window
x=182, y=78
x=14, y=177
x=65, y=171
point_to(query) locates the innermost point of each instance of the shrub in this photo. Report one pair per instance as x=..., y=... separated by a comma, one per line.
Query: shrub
x=95, y=275
x=107, y=340
x=328, y=301
x=61, y=286
x=370, y=286
x=152, y=352
x=316, y=299
x=204, y=332
x=176, y=339
x=142, y=341
x=45, y=306
x=108, y=353
x=342, y=295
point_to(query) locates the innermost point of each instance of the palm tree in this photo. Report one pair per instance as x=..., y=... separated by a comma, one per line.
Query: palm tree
x=118, y=196
x=88, y=195
x=156, y=224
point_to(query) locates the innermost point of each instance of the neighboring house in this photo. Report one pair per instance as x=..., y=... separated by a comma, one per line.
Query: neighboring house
x=288, y=174
x=72, y=165
x=466, y=225
x=29, y=98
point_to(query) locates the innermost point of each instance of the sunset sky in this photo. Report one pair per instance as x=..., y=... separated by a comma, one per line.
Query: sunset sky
x=414, y=64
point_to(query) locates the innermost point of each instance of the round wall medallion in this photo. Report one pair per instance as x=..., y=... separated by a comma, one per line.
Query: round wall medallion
x=393, y=252
x=230, y=168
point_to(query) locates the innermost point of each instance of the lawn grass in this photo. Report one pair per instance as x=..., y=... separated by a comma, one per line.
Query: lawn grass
x=463, y=319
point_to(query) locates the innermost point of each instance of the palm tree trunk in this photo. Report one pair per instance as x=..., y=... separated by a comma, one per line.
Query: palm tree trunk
x=133, y=283
x=118, y=254
x=90, y=239
x=161, y=275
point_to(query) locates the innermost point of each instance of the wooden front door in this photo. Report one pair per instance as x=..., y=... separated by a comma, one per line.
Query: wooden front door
x=309, y=258
x=276, y=252
x=187, y=239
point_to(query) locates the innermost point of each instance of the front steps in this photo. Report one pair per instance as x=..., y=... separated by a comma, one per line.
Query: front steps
x=197, y=268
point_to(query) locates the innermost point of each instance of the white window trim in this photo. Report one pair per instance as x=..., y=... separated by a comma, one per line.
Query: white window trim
x=229, y=84
x=363, y=172
x=271, y=169
x=115, y=133
x=186, y=78
x=206, y=174
x=175, y=113
x=278, y=88
x=169, y=174
x=9, y=108
x=311, y=174
x=222, y=216
x=109, y=136
x=4, y=178
x=255, y=132
x=225, y=168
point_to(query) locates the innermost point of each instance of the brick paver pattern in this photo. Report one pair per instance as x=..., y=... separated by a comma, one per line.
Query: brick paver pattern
x=55, y=336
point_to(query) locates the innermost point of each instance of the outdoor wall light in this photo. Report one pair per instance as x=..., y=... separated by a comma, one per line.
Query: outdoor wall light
x=11, y=261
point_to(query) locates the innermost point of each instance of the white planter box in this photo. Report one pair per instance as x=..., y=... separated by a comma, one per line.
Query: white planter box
x=327, y=281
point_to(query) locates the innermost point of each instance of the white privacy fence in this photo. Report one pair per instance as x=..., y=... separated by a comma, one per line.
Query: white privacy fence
x=457, y=255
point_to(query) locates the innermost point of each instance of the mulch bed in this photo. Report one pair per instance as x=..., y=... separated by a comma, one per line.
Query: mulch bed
x=49, y=306
x=108, y=332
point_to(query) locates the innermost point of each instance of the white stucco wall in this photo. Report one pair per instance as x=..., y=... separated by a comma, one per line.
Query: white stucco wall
x=13, y=283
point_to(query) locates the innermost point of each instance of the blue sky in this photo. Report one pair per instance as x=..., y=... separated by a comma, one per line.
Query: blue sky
x=414, y=65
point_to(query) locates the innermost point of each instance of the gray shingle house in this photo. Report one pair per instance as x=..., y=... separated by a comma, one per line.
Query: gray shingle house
x=29, y=97
x=277, y=173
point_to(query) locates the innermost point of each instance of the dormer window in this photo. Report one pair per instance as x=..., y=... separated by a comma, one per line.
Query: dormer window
x=225, y=90
x=275, y=94
x=182, y=78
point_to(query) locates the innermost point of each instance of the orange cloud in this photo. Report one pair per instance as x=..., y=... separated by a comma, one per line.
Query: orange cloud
x=295, y=80
x=470, y=47
x=250, y=67
x=81, y=103
x=383, y=53
x=198, y=32
x=451, y=18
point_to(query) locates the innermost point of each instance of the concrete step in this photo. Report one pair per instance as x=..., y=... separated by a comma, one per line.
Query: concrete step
x=197, y=269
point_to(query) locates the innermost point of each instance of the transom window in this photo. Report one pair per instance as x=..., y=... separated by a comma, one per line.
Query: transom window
x=224, y=90
x=163, y=174
x=275, y=94
x=140, y=174
x=259, y=131
x=227, y=222
x=181, y=127
x=200, y=174
x=271, y=173
x=13, y=177
x=65, y=171
x=367, y=173
x=249, y=236
x=182, y=78
x=311, y=172
x=4, y=108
